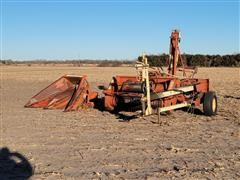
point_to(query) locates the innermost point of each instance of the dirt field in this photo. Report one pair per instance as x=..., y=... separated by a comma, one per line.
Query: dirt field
x=91, y=144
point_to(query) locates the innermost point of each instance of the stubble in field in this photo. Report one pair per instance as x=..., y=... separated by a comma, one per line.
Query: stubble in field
x=93, y=144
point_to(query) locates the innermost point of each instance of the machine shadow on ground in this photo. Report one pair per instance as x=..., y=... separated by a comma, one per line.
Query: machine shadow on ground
x=192, y=110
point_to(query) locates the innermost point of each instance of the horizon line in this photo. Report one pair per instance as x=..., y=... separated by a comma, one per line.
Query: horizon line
x=108, y=59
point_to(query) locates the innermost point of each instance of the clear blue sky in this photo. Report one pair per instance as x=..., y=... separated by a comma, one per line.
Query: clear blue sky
x=115, y=29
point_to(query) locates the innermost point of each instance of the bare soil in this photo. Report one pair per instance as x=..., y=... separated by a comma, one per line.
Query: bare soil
x=93, y=144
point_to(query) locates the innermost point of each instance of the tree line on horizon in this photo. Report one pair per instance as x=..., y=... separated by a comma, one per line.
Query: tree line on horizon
x=154, y=60
x=197, y=60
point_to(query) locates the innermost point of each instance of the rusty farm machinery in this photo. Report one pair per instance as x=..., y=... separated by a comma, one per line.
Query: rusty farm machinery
x=151, y=91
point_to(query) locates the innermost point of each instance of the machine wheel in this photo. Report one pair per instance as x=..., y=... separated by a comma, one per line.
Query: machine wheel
x=210, y=103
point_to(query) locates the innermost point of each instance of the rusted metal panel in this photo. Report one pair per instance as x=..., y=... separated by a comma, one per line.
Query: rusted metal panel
x=70, y=92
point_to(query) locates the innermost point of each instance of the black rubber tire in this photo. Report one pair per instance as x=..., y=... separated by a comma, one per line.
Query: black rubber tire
x=210, y=103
